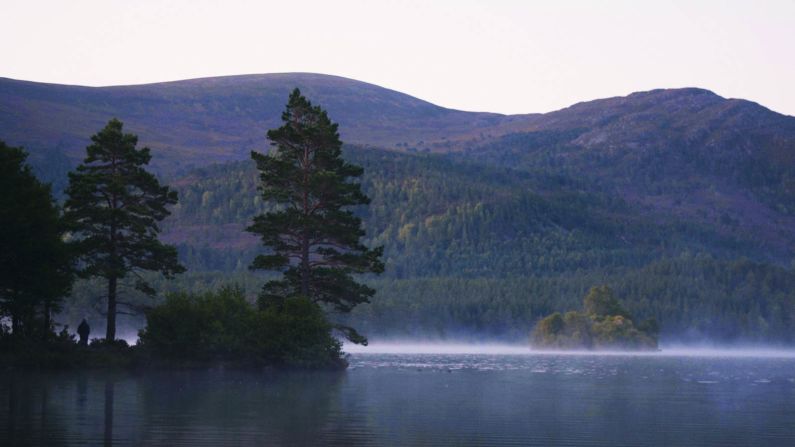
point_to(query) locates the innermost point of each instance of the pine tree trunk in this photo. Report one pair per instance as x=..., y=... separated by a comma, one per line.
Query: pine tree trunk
x=47, y=321
x=305, y=271
x=110, y=335
x=305, y=268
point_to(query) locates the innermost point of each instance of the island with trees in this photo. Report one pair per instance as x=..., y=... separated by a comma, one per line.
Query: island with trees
x=602, y=324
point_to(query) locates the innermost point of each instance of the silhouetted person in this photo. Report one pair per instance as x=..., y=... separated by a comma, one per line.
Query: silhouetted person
x=83, y=330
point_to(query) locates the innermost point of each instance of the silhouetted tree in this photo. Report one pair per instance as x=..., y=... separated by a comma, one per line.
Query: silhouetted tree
x=115, y=206
x=313, y=236
x=35, y=262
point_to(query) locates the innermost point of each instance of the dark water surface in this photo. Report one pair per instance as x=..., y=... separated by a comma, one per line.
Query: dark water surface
x=429, y=399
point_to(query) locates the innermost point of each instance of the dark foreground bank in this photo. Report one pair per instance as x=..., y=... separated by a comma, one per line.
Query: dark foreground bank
x=196, y=331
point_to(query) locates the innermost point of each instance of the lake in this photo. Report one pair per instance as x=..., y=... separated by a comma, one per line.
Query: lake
x=428, y=398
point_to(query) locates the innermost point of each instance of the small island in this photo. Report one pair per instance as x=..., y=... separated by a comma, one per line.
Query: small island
x=603, y=324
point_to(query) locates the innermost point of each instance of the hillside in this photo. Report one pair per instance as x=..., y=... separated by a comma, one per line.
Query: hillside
x=476, y=249
x=441, y=217
x=688, y=153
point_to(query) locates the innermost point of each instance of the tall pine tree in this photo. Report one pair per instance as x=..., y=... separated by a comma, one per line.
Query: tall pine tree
x=115, y=206
x=312, y=236
x=36, y=266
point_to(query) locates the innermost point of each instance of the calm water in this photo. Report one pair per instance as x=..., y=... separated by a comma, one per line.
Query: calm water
x=420, y=399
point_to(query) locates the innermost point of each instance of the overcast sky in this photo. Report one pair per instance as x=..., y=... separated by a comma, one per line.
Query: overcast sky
x=499, y=56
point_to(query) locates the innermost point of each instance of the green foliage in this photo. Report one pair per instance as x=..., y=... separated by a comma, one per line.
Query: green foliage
x=578, y=331
x=312, y=237
x=114, y=206
x=223, y=327
x=196, y=327
x=616, y=331
x=549, y=329
x=604, y=324
x=36, y=265
x=601, y=302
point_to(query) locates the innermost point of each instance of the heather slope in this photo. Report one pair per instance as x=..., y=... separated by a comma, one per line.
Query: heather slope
x=196, y=122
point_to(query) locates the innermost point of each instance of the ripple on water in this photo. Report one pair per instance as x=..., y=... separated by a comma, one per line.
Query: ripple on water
x=705, y=371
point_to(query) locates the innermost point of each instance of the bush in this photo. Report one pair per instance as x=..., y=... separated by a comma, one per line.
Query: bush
x=223, y=327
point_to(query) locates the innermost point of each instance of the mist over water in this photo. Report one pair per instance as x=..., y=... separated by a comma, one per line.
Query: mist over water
x=410, y=347
x=470, y=347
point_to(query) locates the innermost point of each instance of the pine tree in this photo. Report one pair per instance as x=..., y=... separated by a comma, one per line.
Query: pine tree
x=36, y=266
x=312, y=235
x=115, y=206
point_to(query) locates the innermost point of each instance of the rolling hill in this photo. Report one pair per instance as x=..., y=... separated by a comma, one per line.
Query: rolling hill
x=196, y=122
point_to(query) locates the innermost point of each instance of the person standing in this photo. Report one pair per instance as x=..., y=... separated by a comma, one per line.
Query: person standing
x=83, y=331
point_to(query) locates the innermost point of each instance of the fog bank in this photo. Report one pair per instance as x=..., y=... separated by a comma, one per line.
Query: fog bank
x=439, y=348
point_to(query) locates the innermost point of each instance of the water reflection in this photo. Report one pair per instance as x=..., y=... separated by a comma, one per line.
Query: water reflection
x=169, y=408
x=415, y=400
x=108, y=435
x=29, y=418
x=238, y=407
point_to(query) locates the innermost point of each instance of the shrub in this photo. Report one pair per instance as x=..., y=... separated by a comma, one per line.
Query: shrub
x=223, y=327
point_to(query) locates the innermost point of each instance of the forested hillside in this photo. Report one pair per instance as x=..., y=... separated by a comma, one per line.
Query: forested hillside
x=726, y=164
x=472, y=249
x=438, y=216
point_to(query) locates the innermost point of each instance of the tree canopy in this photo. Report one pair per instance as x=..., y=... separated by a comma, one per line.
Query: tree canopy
x=115, y=205
x=312, y=235
x=600, y=302
x=604, y=324
x=35, y=262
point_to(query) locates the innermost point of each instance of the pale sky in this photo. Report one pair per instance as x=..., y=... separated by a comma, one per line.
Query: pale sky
x=497, y=56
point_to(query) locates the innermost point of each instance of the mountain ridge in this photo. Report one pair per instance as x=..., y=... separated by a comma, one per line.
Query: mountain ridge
x=194, y=122
x=220, y=119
